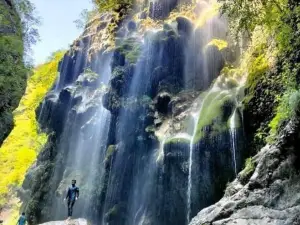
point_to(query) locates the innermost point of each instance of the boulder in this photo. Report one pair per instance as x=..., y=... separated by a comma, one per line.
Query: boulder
x=68, y=222
x=184, y=25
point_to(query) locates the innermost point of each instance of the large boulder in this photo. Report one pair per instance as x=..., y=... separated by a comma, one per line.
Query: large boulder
x=79, y=221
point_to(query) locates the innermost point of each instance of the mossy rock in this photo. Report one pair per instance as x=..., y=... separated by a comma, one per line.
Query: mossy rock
x=88, y=78
x=213, y=112
x=130, y=49
x=177, y=140
x=247, y=172
x=109, y=152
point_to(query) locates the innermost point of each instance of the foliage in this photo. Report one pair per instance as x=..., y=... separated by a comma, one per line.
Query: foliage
x=30, y=23
x=245, y=15
x=249, y=166
x=280, y=21
x=131, y=49
x=108, y=5
x=20, y=149
x=247, y=171
x=13, y=73
x=288, y=107
x=85, y=17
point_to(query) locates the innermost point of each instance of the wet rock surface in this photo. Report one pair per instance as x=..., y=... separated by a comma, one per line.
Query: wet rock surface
x=135, y=179
x=68, y=222
x=270, y=196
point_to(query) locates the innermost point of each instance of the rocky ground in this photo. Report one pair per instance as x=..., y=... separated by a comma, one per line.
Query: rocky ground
x=270, y=196
x=79, y=221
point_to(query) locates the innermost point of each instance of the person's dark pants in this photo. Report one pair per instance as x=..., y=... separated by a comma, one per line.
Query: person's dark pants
x=70, y=207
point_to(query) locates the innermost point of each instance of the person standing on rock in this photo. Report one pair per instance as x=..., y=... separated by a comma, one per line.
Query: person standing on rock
x=72, y=196
x=22, y=219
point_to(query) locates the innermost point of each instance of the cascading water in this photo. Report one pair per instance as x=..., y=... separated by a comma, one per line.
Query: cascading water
x=137, y=156
x=189, y=189
x=233, y=139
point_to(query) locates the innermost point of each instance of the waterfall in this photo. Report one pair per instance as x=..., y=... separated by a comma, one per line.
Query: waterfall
x=160, y=152
x=196, y=118
x=190, y=171
x=233, y=139
x=136, y=148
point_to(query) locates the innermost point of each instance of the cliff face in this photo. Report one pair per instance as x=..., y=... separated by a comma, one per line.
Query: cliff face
x=13, y=73
x=270, y=195
x=265, y=192
x=147, y=115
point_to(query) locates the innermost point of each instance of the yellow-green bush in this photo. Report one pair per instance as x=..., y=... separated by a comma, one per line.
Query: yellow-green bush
x=20, y=149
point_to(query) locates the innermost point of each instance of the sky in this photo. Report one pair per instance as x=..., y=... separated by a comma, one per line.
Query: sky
x=58, y=29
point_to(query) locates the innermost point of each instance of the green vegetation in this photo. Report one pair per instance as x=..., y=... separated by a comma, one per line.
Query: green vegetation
x=179, y=140
x=249, y=166
x=212, y=113
x=84, y=17
x=13, y=73
x=30, y=23
x=245, y=16
x=108, y=5
x=287, y=108
x=247, y=171
x=279, y=20
x=109, y=152
x=131, y=49
x=20, y=149
x=220, y=44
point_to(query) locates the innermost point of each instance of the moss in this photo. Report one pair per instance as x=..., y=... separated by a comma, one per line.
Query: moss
x=287, y=108
x=87, y=77
x=247, y=172
x=150, y=129
x=179, y=140
x=212, y=111
x=131, y=49
x=118, y=71
x=220, y=44
x=109, y=152
x=257, y=68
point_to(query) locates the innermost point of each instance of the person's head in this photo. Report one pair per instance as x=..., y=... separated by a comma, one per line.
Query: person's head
x=23, y=214
x=73, y=182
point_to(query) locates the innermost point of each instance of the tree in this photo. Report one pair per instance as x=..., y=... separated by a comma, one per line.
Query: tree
x=107, y=5
x=30, y=23
x=85, y=17
x=245, y=15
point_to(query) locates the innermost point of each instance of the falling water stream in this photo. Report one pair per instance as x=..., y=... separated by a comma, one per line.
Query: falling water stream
x=233, y=138
x=132, y=176
x=196, y=118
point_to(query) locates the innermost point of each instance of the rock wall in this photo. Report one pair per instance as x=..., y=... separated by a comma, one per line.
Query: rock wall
x=103, y=117
x=268, y=195
x=265, y=192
